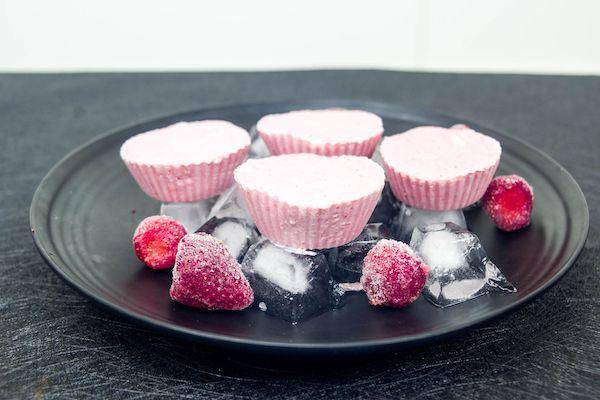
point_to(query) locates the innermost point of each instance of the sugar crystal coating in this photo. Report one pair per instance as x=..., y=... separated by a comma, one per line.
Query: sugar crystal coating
x=207, y=276
x=393, y=275
x=509, y=202
x=155, y=241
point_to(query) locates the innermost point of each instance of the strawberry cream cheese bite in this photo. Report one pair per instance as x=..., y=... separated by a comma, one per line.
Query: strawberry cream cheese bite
x=435, y=168
x=309, y=201
x=187, y=161
x=327, y=132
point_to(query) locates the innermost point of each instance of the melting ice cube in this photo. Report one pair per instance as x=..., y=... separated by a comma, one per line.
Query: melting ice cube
x=347, y=261
x=191, y=215
x=459, y=268
x=409, y=218
x=236, y=233
x=230, y=204
x=292, y=284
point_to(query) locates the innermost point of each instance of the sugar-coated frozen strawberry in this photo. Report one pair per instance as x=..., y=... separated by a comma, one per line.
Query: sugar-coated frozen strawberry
x=393, y=275
x=207, y=276
x=155, y=241
x=509, y=201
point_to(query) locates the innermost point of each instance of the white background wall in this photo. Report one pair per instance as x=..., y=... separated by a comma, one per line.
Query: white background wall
x=551, y=36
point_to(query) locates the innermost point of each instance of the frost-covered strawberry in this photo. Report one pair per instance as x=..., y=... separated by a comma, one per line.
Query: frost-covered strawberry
x=509, y=201
x=393, y=275
x=207, y=276
x=155, y=241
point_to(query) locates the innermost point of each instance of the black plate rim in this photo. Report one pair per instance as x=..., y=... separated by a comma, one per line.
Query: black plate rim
x=39, y=219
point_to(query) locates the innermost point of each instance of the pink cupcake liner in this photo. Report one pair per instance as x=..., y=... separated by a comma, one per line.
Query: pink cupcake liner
x=287, y=144
x=188, y=182
x=441, y=195
x=305, y=227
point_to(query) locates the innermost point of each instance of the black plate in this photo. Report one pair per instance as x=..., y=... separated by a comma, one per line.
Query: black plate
x=86, y=208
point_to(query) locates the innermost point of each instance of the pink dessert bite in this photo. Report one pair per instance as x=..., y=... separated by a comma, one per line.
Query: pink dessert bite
x=327, y=132
x=310, y=201
x=435, y=168
x=509, y=202
x=187, y=161
x=207, y=276
x=393, y=275
x=155, y=241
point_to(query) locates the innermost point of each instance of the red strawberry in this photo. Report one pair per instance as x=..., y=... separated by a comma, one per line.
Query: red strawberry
x=393, y=275
x=155, y=241
x=508, y=201
x=207, y=276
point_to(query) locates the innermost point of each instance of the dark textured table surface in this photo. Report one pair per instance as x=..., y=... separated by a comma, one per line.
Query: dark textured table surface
x=56, y=344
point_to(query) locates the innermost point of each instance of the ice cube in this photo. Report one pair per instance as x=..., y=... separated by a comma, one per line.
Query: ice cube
x=253, y=132
x=387, y=207
x=191, y=215
x=346, y=261
x=293, y=284
x=459, y=268
x=230, y=204
x=409, y=218
x=473, y=206
x=377, y=156
x=341, y=291
x=236, y=233
x=258, y=148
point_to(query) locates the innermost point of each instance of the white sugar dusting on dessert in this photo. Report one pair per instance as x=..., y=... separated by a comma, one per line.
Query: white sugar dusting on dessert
x=186, y=143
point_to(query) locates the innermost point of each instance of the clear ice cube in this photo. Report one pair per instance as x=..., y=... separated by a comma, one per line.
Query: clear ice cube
x=387, y=207
x=347, y=260
x=341, y=292
x=459, y=268
x=258, y=149
x=291, y=284
x=253, y=132
x=473, y=206
x=191, y=215
x=377, y=156
x=230, y=204
x=236, y=233
x=408, y=218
